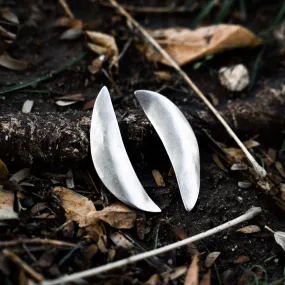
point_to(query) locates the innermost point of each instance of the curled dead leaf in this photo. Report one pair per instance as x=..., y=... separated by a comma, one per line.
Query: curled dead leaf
x=104, y=44
x=117, y=215
x=96, y=64
x=3, y=170
x=77, y=208
x=237, y=153
x=7, y=61
x=211, y=258
x=158, y=178
x=249, y=229
x=185, y=45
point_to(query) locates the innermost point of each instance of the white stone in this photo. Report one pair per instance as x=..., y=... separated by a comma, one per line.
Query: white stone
x=234, y=78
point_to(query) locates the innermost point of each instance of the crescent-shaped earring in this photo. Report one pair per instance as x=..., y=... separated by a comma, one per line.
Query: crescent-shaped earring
x=112, y=162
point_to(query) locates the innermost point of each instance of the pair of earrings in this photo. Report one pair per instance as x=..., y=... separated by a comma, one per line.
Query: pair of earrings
x=113, y=164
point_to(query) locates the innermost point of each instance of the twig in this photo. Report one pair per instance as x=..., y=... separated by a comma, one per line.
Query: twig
x=132, y=259
x=46, y=76
x=66, y=9
x=269, y=229
x=22, y=264
x=259, y=170
x=36, y=241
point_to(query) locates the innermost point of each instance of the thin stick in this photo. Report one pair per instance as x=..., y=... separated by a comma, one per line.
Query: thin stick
x=66, y=9
x=259, y=170
x=36, y=241
x=22, y=264
x=132, y=259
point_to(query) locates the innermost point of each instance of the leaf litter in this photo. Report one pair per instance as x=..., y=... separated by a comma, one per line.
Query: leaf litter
x=185, y=45
x=249, y=229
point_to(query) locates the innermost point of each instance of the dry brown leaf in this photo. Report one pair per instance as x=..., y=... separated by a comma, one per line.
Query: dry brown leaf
x=211, y=258
x=3, y=170
x=158, y=178
x=96, y=64
x=7, y=205
x=7, y=61
x=154, y=280
x=251, y=144
x=68, y=23
x=173, y=274
x=72, y=97
x=237, y=153
x=163, y=75
x=7, y=15
x=77, y=207
x=192, y=276
x=89, y=105
x=185, y=45
x=117, y=215
x=181, y=234
x=206, y=280
x=119, y=240
x=249, y=229
x=242, y=259
x=104, y=44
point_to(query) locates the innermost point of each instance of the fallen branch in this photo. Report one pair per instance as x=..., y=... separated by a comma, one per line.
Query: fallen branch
x=120, y=263
x=260, y=171
x=22, y=264
x=63, y=139
x=36, y=241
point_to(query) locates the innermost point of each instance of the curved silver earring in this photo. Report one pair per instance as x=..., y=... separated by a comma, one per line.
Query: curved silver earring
x=110, y=157
x=179, y=141
x=112, y=162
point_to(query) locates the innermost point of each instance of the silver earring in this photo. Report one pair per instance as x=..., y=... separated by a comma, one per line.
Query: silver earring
x=179, y=141
x=112, y=162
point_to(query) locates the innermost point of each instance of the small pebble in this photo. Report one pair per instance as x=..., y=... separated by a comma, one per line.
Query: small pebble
x=240, y=199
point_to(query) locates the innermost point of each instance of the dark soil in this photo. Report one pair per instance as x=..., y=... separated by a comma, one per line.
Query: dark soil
x=255, y=111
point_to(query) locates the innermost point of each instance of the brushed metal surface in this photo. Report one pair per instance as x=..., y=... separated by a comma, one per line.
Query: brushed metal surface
x=179, y=141
x=110, y=157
